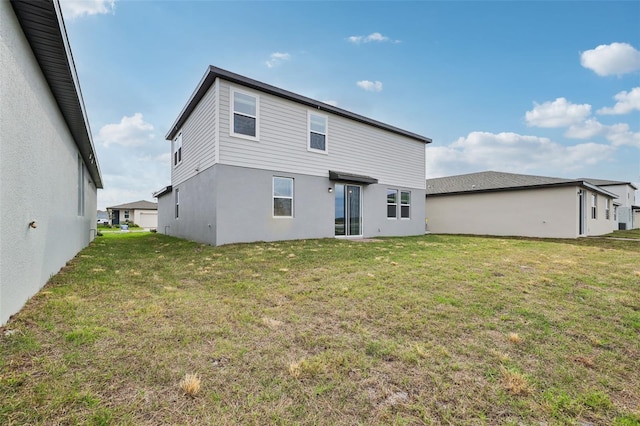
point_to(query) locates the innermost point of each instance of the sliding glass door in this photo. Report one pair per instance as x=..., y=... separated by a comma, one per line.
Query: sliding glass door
x=348, y=210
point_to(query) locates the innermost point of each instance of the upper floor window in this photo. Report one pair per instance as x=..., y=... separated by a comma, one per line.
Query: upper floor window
x=282, y=197
x=244, y=115
x=177, y=150
x=594, y=206
x=317, y=125
x=392, y=203
x=405, y=204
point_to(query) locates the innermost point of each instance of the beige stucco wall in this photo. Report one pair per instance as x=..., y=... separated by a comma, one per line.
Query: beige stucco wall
x=38, y=176
x=545, y=213
x=146, y=218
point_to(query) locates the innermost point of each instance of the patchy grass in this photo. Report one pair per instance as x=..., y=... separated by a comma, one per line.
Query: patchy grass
x=629, y=233
x=421, y=330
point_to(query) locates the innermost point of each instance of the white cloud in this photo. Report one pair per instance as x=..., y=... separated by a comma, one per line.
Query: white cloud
x=377, y=37
x=131, y=131
x=511, y=152
x=559, y=113
x=611, y=59
x=277, y=58
x=77, y=8
x=627, y=102
x=585, y=130
x=619, y=134
x=370, y=86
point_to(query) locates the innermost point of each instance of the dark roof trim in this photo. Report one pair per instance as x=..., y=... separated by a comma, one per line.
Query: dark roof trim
x=523, y=187
x=350, y=177
x=213, y=72
x=136, y=205
x=43, y=25
x=163, y=191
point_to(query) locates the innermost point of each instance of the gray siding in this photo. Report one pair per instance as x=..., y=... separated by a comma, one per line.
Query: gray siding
x=352, y=147
x=38, y=176
x=199, y=139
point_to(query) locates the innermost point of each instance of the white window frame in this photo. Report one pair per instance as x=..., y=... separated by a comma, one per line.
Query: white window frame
x=127, y=215
x=607, y=208
x=273, y=197
x=177, y=204
x=405, y=205
x=232, y=92
x=177, y=150
x=391, y=204
x=594, y=206
x=80, y=186
x=325, y=134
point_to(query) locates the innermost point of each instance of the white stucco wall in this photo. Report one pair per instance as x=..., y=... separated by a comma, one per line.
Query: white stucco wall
x=545, y=213
x=146, y=218
x=38, y=176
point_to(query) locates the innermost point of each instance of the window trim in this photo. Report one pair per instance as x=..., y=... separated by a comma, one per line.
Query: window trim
x=607, y=208
x=405, y=205
x=177, y=204
x=594, y=206
x=325, y=134
x=392, y=204
x=273, y=197
x=177, y=150
x=232, y=92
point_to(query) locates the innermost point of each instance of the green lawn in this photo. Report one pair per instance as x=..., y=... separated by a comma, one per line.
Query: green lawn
x=422, y=330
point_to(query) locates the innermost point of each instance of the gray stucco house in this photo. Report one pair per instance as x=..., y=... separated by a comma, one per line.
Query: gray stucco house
x=49, y=173
x=509, y=204
x=253, y=162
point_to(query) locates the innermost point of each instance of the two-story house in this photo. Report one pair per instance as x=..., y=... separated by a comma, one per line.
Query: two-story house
x=253, y=162
x=49, y=173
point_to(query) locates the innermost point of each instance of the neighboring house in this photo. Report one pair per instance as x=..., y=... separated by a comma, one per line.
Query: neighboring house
x=49, y=174
x=253, y=162
x=625, y=202
x=142, y=213
x=507, y=204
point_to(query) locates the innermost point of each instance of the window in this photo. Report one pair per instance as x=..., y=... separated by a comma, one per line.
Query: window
x=126, y=214
x=405, y=204
x=244, y=119
x=282, y=197
x=80, y=186
x=177, y=203
x=317, y=133
x=392, y=203
x=177, y=150
x=607, y=209
x=594, y=206
x=615, y=213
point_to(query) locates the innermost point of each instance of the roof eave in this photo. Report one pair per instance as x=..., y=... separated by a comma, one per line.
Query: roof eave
x=43, y=25
x=214, y=72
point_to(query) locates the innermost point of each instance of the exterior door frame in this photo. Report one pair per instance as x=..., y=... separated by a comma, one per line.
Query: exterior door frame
x=582, y=212
x=346, y=211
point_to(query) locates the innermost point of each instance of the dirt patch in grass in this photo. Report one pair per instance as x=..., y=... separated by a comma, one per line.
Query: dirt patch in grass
x=148, y=329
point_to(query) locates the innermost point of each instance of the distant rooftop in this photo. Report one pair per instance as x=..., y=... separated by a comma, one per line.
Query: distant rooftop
x=499, y=181
x=136, y=205
x=605, y=182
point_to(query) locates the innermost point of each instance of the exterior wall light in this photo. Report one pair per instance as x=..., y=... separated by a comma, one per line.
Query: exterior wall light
x=330, y=190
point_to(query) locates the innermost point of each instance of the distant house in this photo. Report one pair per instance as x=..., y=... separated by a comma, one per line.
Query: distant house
x=254, y=162
x=507, y=204
x=627, y=213
x=142, y=213
x=103, y=217
x=49, y=173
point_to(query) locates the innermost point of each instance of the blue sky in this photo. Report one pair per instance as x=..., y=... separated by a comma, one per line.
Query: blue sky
x=548, y=88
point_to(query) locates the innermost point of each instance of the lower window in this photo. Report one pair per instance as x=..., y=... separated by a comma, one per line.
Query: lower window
x=282, y=197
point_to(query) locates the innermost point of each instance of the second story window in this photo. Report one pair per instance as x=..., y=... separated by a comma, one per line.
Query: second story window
x=177, y=150
x=244, y=115
x=317, y=132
